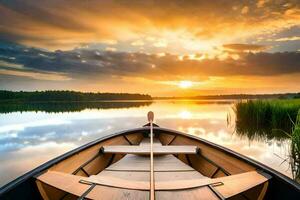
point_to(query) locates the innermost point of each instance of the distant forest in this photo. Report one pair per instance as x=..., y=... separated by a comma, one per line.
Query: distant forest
x=68, y=96
x=239, y=96
x=46, y=96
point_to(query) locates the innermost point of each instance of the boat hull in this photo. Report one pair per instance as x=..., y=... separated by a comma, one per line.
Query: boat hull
x=280, y=186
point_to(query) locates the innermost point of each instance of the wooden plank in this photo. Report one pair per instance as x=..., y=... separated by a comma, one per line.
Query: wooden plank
x=98, y=164
x=252, y=193
x=202, y=165
x=118, y=182
x=145, y=150
x=203, y=193
x=69, y=197
x=231, y=185
x=134, y=138
x=219, y=174
x=144, y=185
x=81, y=173
x=235, y=184
x=159, y=176
x=166, y=139
x=42, y=190
x=141, y=163
x=231, y=164
x=70, y=164
x=227, y=186
x=177, y=176
x=66, y=182
x=48, y=192
x=183, y=158
x=146, y=141
x=117, y=157
x=108, y=193
x=263, y=191
x=70, y=183
x=127, y=175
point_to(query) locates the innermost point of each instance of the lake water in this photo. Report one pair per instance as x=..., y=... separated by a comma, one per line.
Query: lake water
x=32, y=137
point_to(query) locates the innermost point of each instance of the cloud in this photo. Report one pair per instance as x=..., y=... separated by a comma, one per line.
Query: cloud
x=10, y=65
x=293, y=38
x=16, y=61
x=245, y=10
x=110, y=49
x=245, y=47
x=138, y=43
x=199, y=25
x=161, y=43
x=261, y=3
x=89, y=64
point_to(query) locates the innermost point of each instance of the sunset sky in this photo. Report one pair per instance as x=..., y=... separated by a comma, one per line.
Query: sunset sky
x=163, y=48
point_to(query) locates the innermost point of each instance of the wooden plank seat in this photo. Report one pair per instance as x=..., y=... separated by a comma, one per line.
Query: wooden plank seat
x=141, y=163
x=71, y=184
x=145, y=149
x=145, y=176
x=226, y=186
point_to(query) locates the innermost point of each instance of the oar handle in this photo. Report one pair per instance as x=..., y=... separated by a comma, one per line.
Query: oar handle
x=150, y=116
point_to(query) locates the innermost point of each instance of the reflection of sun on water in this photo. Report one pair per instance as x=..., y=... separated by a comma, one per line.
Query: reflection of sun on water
x=185, y=115
x=185, y=84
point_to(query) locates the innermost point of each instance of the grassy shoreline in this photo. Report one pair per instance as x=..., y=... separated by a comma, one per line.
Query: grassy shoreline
x=295, y=149
x=266, y=118
x=272, y=119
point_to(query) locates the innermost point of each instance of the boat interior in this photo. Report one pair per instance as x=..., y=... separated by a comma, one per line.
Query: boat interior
x=183, y=168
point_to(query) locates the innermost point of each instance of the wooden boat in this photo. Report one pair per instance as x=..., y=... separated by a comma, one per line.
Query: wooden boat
x=133, y=165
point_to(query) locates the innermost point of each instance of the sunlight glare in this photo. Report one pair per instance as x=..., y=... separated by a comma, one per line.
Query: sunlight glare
x=185, y=115
x=185, y=84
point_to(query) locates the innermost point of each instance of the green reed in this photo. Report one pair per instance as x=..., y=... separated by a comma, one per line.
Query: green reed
x=272, y=119
x=265, y=119
x=295, y=149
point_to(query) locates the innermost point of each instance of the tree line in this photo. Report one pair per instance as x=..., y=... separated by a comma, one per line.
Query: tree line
x=65, y=106
x=53, y=95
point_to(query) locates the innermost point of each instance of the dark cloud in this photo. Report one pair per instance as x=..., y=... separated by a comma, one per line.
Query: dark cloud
x=43, y=12
x=94, y=64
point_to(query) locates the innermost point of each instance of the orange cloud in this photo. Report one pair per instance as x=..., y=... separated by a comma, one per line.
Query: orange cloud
x=245, y=47
x=192, y=25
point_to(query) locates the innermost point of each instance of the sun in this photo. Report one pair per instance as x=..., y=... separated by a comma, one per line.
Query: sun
x=185, y=84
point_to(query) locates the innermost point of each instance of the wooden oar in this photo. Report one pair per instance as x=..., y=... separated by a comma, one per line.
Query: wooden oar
x=150, y=119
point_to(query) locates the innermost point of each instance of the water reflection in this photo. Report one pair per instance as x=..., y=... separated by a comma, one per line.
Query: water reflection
x=252, y=130
x=68, y=106
x=246, y=128
x=28, y=139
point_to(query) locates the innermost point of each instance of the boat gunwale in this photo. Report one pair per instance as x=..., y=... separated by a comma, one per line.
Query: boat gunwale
x=34, y=172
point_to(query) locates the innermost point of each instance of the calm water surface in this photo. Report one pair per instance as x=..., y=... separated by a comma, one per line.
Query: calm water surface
x=28, y=139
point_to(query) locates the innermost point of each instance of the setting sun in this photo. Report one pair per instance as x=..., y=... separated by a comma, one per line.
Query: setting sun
x=185, y=84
